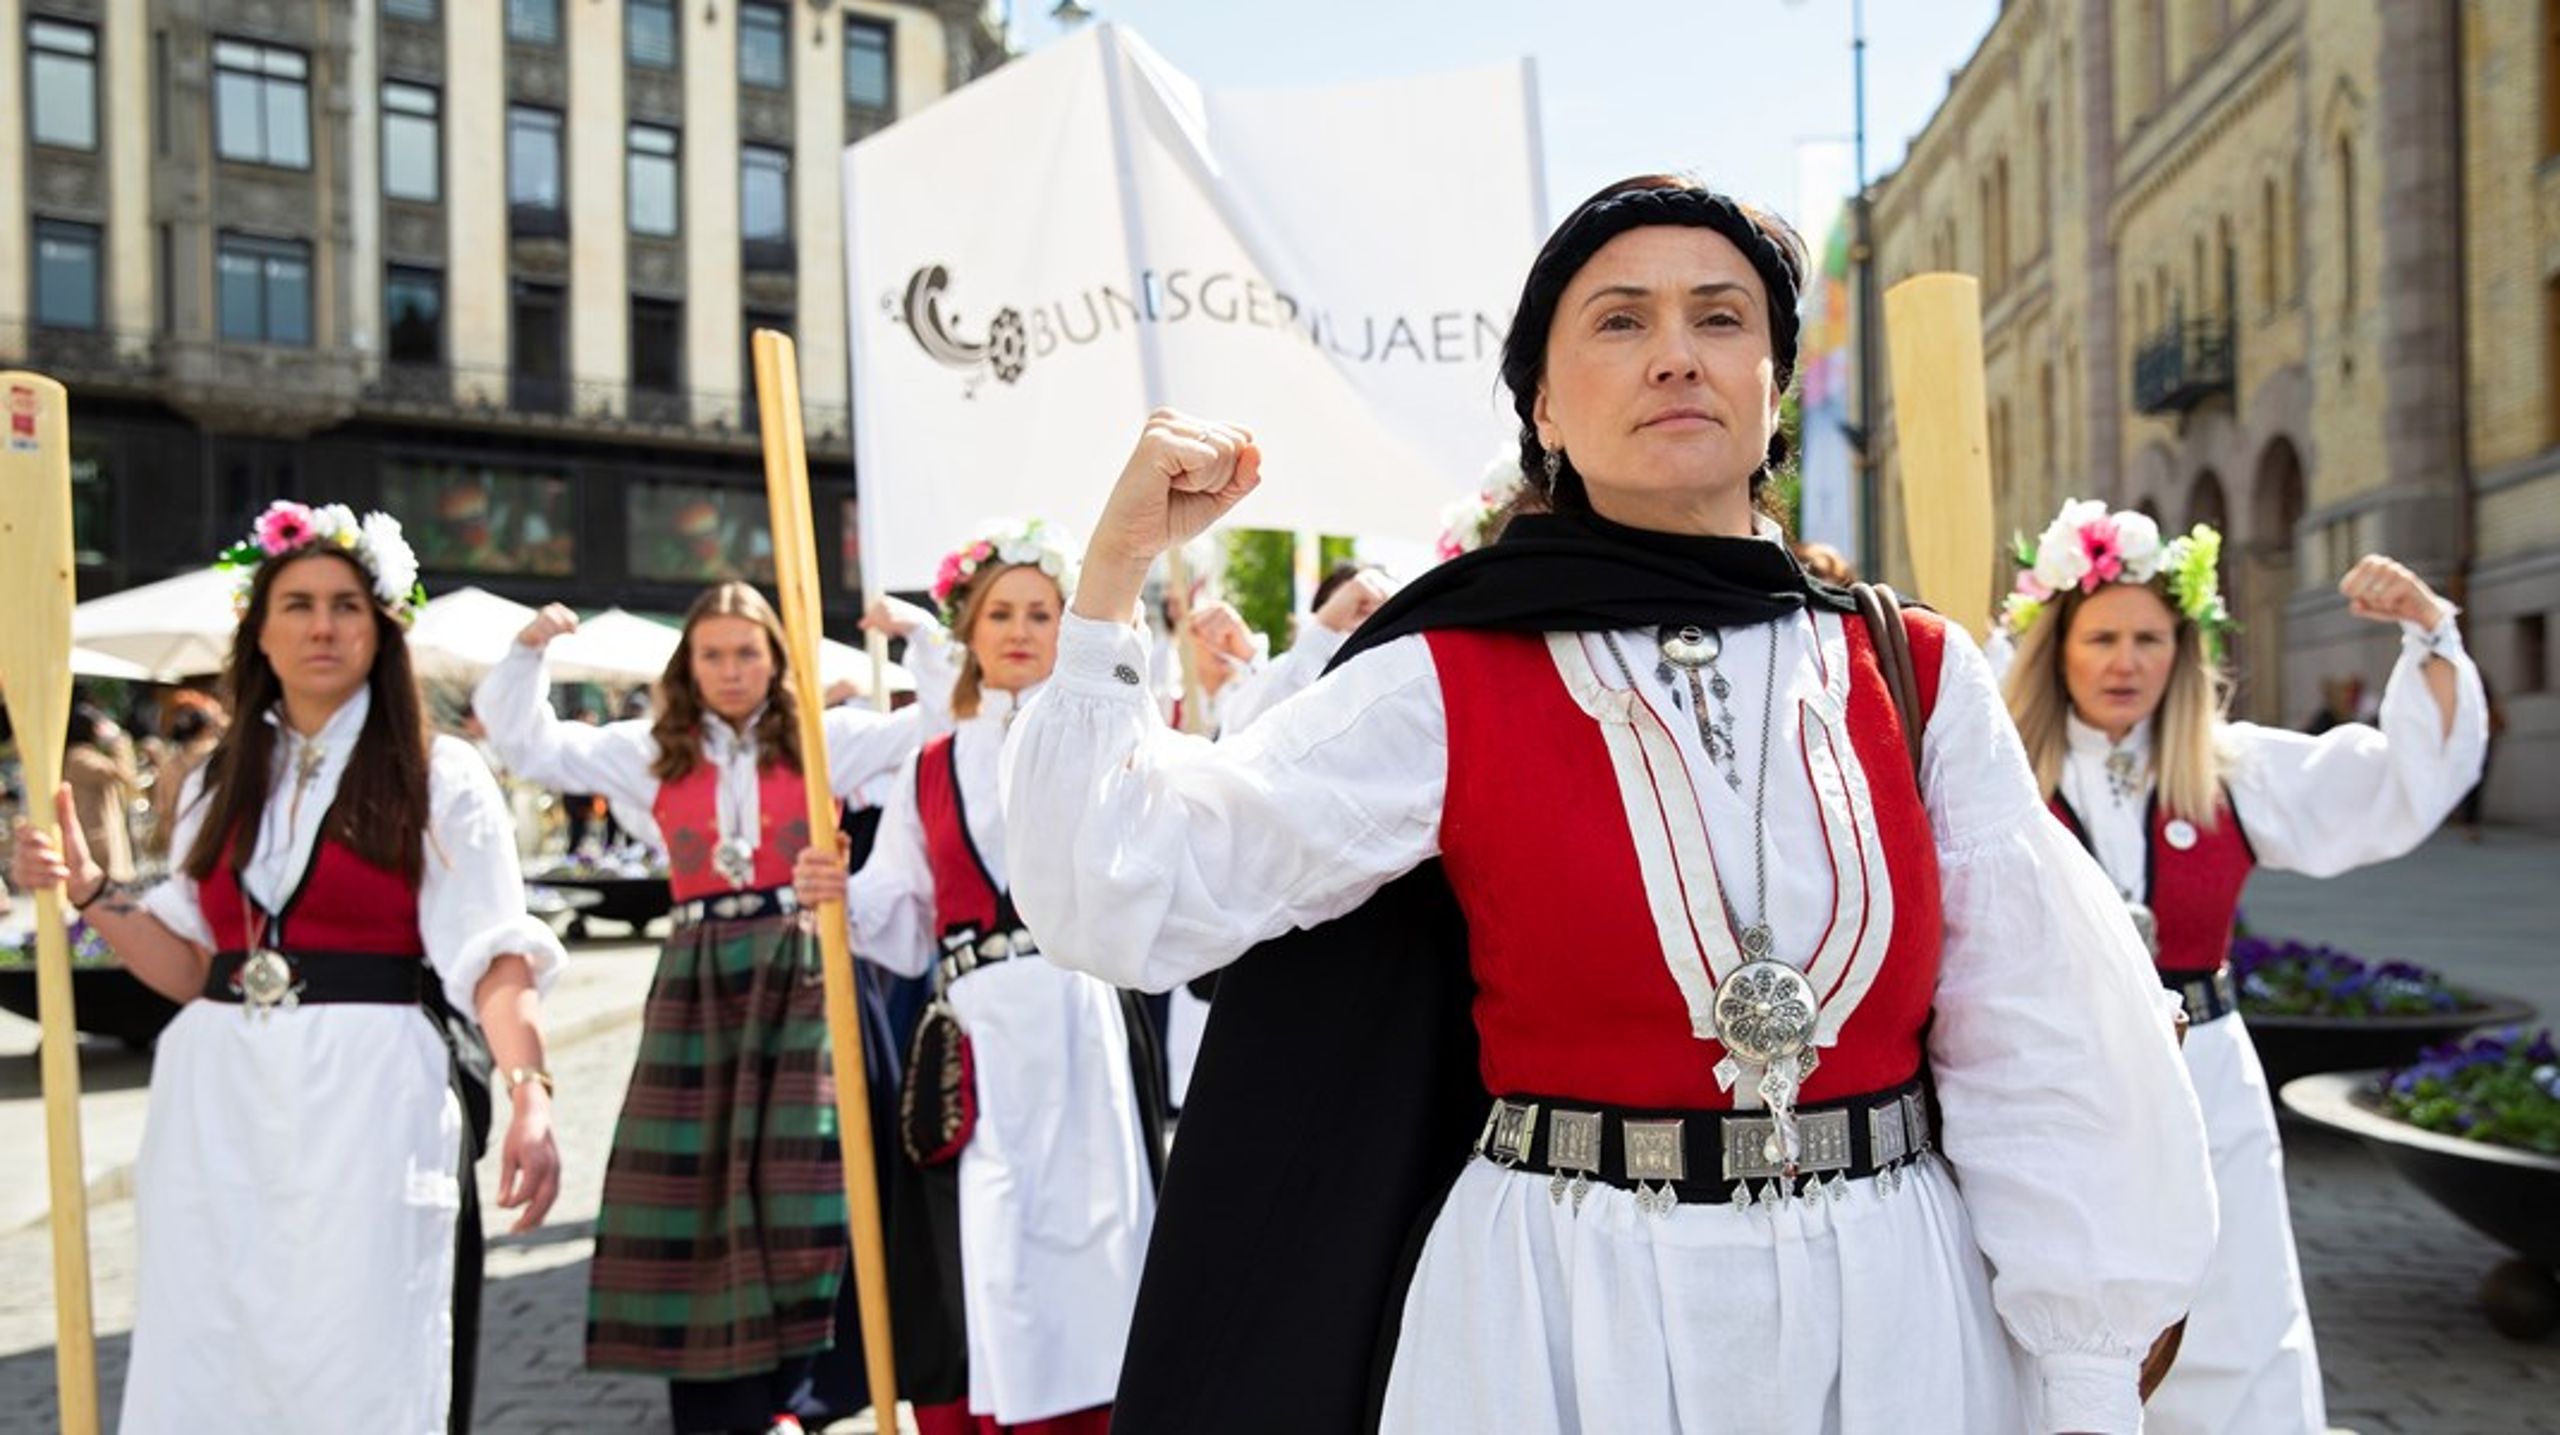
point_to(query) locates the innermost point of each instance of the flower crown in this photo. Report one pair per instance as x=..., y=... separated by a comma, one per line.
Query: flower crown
x=1003, y=543
x=1468, y=523
x=374, y=541
x=2087, y=547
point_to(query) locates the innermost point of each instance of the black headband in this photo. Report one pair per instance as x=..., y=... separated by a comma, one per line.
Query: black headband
x=1781, y=269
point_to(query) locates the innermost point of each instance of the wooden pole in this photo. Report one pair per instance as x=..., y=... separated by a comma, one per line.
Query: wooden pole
x=35, y=669
x=1933, y=331
x=795, y=562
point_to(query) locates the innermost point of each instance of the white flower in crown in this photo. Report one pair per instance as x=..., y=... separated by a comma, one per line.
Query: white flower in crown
x=2061, y=562
x=2138, y=544
x=388, y=554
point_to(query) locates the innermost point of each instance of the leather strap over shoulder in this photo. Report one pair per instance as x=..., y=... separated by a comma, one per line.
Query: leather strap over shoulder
x=1882, y=609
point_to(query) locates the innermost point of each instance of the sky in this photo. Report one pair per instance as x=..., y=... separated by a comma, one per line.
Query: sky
x=1753, y=96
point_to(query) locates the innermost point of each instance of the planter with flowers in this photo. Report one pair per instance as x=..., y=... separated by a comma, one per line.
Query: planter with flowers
x=2315, y=1008
x=2476, y=1125
x=106, y=1000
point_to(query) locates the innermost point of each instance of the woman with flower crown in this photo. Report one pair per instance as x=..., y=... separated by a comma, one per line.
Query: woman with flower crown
x=720, y=1245
x=1031, y=1114
x=344, y=884
x=2117, y=688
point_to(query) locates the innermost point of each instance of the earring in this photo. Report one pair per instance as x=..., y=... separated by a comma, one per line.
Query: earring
x=1553, y=463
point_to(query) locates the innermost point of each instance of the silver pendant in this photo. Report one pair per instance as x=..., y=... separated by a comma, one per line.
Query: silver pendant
x=267, y=983
x=735, y=860
x=1766, y=1010
x=1690, y=646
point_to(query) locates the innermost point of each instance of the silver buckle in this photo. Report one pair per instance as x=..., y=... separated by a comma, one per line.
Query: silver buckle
x=1751, y=1149
x=1508, y=1131
x=1888, y=1138
x=1655, y=1161
x=1573, y=1144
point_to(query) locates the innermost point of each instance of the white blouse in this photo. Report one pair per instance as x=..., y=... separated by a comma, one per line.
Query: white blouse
x=1246, y=698
x=1148, y=857
x=615, y=759
x=891, y=900
x=470, y=895
x=2318, y=805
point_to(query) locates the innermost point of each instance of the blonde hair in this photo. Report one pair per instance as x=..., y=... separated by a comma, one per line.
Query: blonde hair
x=2186, y=753
x=969, y=687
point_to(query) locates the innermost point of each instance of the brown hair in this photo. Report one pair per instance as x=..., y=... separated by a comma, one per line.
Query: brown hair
x=966, y=690
x=2185, y=752
x=681, y=711
x=381, y=811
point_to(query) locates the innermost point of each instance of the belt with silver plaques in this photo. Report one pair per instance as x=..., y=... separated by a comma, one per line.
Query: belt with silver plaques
x=272, y=979
x=737, y=906
x=2209, y=996
x=964, y=952
x=1707, y=1157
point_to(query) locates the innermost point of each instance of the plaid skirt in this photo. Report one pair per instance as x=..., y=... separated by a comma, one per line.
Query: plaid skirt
x=721, y=1240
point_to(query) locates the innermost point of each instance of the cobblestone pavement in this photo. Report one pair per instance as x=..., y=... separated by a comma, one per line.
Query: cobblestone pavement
x=2392, y=1281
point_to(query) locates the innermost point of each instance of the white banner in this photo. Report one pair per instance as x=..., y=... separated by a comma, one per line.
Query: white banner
x=1085, y=234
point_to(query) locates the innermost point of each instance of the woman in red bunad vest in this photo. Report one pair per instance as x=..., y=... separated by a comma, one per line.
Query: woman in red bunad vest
x=720, y=1245
x=1658, y=1017
x=346, y=884
x=1031, y=1204
x=2117, y=689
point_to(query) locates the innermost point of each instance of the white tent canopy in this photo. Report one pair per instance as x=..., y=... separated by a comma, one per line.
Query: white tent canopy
x=464, y=633
x=175, y=628
x=88, y=664
x=616, y=648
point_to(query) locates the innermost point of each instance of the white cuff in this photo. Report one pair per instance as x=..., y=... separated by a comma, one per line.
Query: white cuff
x=518, y=935
x=1102, y=660
x=2443, y=641
x=2085, y=1391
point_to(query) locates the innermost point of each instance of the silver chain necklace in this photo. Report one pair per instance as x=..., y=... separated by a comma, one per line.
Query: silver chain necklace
x=1693, y=649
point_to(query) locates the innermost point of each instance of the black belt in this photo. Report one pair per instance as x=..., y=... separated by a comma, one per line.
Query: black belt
x=1708, y=1157
x=964, y=951
x=742, y=906
x=2209, y=996
x=370, y=978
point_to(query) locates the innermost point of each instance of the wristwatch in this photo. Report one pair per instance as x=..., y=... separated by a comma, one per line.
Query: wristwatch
x=519, y=1075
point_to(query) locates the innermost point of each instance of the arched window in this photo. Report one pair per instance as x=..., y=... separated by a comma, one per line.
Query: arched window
x=2268, y=267
x=2001, y=232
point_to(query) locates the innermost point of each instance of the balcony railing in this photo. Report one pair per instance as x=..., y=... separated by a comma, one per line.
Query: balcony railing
x=467, y=392
x=2181, y=366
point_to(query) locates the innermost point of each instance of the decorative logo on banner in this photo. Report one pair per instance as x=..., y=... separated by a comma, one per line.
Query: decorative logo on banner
x=1178, y=296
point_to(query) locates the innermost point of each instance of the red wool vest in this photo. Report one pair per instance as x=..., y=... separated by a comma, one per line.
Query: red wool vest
x=344, y=904
x=2193, y=892
x=964, y=895
x=1573, y=997
x=688, y=813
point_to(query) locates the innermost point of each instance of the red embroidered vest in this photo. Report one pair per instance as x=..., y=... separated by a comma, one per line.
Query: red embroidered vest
x=688, y=813
x=344, y=904
x=964, y=895
x=2193, y=891
x=1573, y=995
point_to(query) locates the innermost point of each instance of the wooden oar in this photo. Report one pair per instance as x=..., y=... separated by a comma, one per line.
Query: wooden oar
x=35, y=672
x=795, y=563
x=1933, y=333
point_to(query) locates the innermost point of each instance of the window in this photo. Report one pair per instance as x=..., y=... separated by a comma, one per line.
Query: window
x=649, y=33
x=2533, y=654
x=763, y=47
x=2347, y=224
x=534, y=22
x=412, y=154
x=533, y=170
x=650, y=178
x=764, y=203
x=413, y=308
x=263, y=287
x=410, y=9
x=261, y=104
x=657, y=346
x=538, y=349
x=697, y=533
x=2550, y=78
x=866, y=65
x=62, y=84
x=66, y=275
x=473, y=518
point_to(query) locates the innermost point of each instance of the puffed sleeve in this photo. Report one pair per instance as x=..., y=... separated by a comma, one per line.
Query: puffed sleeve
x=471, y=898
x=2066, y=1108
x=1148, y=857
x=2356, y=794
x=1279, y=680
x=172, y=901
x=864, y=745
x=513, y=702
x=890, y=901
x=933, y=660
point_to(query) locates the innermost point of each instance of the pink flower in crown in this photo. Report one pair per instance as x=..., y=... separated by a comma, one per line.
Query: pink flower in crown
x=946, y=577
x=284, y=527
x=1449, y=546
x=2031, y=587
x=2106, y=556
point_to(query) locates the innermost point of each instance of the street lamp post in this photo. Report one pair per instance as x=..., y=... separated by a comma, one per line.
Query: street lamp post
x=1862, y=255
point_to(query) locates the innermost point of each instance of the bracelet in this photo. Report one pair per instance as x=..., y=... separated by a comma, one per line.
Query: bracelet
x=105, y=885
x=517, y=1076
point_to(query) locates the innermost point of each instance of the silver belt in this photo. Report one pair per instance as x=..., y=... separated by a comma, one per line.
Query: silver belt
x=2209, y=996
x=737, y=906
x=1665, y=1159
x=964, y=952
